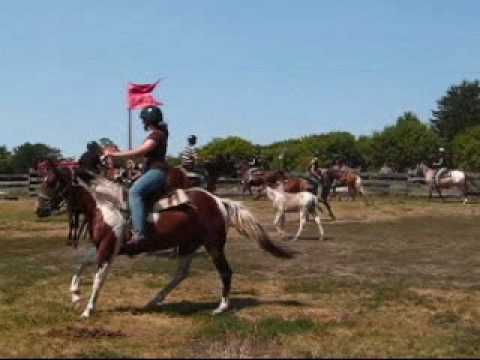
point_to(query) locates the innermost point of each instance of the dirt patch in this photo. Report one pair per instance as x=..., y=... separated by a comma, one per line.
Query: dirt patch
x=86, y=333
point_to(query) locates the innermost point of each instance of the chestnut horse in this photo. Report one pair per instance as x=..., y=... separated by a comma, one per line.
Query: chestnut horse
x=350, y=178
x=203, y=221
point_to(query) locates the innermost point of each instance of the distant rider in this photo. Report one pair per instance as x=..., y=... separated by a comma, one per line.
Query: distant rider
x=190, y=159
x=440, y=164
x=314, y=172
x=189, y=155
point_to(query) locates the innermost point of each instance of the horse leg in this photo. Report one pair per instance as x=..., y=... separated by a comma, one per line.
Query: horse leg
x=327, y=205
x=279, y=222
x=105, y=255
x=317, y=218
x=225, y=272
x=70, y=228
x=88, y=259
x=361, y=192
x=440, y=194
x=183, y=269
x=98, y=281
x=260, y=192
x=303, y=220
x=464, y=188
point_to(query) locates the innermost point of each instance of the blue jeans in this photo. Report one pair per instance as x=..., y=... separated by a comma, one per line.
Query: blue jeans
x=153, y=181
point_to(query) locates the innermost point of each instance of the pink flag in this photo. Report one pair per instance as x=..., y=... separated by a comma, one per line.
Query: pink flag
x=139, y=95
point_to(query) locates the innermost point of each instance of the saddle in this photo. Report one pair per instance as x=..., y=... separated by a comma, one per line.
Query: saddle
x=174, y=195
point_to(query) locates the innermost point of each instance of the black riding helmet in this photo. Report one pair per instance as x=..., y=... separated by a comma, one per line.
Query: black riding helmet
x=93, y=146
x=192, y=139
x=151, y=115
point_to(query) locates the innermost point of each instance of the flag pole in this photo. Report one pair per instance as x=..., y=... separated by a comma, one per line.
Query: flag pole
x=129, y=129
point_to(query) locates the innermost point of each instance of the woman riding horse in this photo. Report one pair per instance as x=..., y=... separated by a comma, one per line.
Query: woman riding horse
x=152, y=182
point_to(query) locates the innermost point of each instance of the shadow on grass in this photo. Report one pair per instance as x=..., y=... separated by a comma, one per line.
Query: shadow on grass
x=187, y=308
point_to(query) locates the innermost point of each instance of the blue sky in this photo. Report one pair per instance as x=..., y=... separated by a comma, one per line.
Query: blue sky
x=264, y=70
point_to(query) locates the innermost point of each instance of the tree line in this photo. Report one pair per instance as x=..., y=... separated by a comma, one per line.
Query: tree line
x=454, y=125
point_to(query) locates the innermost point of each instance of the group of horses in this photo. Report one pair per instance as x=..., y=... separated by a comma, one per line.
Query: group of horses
x=203, y=220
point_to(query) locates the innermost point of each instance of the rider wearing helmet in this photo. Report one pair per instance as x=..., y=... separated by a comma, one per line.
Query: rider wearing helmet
x=315, y=173
x=90, y=159
x=441, y=164
x=153, y=180
x=314, y=169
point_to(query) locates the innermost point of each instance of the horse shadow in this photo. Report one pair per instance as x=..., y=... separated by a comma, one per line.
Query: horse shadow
x=307, y=238
x=188, y=308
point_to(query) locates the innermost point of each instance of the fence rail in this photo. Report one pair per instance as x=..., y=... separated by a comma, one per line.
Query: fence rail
x=14, y=185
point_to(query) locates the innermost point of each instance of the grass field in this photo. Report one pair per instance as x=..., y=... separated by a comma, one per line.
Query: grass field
x=398, y=278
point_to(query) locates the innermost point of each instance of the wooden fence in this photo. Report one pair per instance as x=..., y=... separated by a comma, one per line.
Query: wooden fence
x=13, y=186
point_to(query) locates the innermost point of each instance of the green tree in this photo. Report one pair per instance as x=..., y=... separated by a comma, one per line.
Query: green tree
x=5, y=160
x=366, y=150
x=233, y=146
x=404, y=144
x=27, y=155
x=466, y=150
x=457, y=110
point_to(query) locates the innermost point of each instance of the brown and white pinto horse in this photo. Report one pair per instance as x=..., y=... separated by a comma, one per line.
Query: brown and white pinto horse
x=202, y=222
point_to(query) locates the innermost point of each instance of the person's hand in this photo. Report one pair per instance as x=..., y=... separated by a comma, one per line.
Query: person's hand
x=109, y=152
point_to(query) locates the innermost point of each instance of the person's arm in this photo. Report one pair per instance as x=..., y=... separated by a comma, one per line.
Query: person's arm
x=147, y=146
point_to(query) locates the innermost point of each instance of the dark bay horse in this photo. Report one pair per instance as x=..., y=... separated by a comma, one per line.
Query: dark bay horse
x=204, y=221
x=57, y=204
x=260, y=178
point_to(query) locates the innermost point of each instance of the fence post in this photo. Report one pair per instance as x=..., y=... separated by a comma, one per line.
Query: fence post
x=32, y=182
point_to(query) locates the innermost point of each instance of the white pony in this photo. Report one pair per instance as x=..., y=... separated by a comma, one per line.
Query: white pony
x=453, y=179
x=306, y=202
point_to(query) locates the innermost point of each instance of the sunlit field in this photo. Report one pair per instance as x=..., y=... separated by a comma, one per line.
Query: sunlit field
x=400, y=277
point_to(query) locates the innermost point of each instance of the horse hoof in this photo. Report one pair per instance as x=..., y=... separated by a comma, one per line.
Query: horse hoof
x=154, y=305
x=219, y=310
x=224, y=305
x=85, y=315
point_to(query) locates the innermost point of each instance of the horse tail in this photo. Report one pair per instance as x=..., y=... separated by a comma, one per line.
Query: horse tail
x=246, y=224
x=469, y=183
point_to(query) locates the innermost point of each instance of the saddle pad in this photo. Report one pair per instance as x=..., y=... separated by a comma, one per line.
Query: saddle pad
x=174, y=199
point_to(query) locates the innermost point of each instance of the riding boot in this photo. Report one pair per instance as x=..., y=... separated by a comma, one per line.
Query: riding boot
x=134, y=246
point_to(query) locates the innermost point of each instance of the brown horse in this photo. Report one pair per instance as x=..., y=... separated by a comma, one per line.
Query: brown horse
x=259, y=179
x=203, y=221
x=347, y=177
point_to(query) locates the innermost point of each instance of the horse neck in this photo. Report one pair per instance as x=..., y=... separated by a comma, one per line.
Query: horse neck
x=272, y=194
x=84, y=202
x=427, y=172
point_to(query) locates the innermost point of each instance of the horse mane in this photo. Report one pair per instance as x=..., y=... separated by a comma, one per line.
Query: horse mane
x=102, y=188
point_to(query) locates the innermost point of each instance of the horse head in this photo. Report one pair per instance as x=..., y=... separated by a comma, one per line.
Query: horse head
x=421, y=169
x=53, y=189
